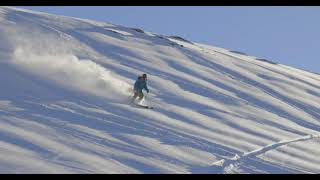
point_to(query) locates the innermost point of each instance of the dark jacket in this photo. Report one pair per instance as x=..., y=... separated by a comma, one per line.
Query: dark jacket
x=140, y=84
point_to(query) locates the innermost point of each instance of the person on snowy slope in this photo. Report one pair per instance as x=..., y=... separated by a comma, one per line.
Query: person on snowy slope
x=139, y=85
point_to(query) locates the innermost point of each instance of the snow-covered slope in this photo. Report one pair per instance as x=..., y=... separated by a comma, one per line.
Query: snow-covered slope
x=65, y=84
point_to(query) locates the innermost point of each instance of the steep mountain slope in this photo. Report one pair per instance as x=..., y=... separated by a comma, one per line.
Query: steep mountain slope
x=66, y=82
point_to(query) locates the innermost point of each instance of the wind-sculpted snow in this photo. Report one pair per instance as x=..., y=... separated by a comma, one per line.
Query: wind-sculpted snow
x=65, y=87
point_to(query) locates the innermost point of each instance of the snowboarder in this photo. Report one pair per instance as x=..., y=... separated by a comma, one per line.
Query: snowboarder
x=139, y=85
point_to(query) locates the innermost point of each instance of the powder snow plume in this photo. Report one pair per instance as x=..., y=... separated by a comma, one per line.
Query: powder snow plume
x=53, y=61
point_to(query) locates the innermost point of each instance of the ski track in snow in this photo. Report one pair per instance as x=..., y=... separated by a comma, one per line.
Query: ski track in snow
x=228, y=164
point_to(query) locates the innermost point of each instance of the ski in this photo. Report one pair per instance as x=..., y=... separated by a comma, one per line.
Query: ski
x=147, y=107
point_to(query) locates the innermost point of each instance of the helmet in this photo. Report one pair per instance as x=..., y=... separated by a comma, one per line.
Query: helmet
x=144, y=75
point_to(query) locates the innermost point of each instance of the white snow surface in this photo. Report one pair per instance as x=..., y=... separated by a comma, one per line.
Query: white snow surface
x=65, y=88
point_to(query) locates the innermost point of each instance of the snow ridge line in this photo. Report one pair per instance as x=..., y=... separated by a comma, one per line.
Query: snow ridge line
x=229, y=163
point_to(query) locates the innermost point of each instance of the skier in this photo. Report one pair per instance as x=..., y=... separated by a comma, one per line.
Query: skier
x=139, y=85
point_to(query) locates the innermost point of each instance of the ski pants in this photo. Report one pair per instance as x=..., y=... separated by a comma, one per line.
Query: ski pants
x=138, y=94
